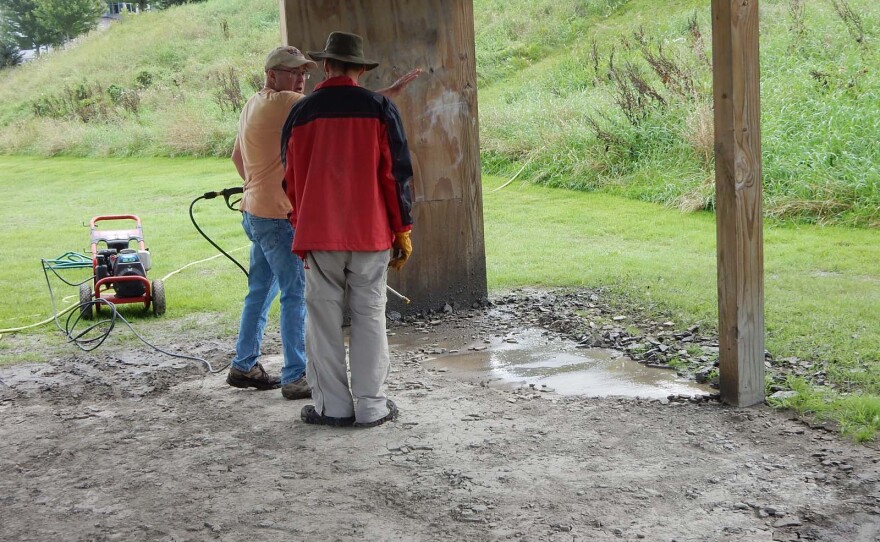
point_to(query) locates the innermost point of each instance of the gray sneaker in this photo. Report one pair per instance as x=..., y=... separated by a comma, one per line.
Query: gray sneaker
x=298, y=389
x=255, y=378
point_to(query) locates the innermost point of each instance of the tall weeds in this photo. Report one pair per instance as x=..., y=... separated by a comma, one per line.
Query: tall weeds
x=698, y=44
x=851, y=19
x=798, y=28
x=88, y=102
x=674, y=76
x=227, y=92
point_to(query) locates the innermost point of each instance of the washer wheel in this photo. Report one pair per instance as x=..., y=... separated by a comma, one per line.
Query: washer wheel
x=85, y=301
x=158, y=295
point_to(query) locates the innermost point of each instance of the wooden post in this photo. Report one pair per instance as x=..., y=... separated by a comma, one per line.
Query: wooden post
x=738, y=200
x=439, y=113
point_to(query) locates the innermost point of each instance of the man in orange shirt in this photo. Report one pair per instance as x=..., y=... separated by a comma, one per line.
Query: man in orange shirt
x=264, y=209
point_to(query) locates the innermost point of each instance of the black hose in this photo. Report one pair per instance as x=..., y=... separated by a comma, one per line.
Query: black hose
x=88, y=343
x=226, y=193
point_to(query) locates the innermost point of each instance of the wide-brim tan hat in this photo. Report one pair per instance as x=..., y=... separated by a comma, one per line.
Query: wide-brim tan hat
x=344, y=47
x=287, y=57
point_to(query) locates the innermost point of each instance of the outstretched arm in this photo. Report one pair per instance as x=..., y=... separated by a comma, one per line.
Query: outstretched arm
x=397, y=87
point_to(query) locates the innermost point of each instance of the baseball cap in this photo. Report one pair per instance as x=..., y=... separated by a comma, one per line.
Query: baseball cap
x=287, y=57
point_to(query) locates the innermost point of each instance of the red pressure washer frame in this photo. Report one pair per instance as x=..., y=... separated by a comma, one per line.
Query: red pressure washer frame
x=98, y=236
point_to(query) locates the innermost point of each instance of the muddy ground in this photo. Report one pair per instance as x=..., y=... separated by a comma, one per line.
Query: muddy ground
x=128, y=444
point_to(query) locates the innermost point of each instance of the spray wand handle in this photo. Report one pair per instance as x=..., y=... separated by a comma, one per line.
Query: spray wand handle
x=226, y=192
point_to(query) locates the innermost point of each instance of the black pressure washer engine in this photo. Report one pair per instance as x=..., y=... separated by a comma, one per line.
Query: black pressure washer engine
x=121, y=261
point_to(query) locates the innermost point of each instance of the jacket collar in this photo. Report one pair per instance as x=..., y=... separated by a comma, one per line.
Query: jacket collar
x=339, y=81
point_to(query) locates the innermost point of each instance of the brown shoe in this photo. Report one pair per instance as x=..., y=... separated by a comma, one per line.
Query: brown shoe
x=298, y=389
x=255, y=378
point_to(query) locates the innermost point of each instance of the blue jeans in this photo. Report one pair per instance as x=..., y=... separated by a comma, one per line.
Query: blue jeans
x=273, y=267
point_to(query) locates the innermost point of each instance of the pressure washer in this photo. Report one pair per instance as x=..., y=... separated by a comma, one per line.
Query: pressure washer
x=119, y=276
x=120, y=268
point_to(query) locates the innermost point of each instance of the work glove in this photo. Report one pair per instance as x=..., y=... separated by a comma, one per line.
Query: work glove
x=402, y=248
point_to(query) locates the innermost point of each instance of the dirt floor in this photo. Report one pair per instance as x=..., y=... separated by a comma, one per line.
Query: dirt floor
x=128, y=444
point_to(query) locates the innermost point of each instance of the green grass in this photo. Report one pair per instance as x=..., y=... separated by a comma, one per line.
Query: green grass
x=822, y=284
x=547, y=102
x=512, y=35
x=858, y=415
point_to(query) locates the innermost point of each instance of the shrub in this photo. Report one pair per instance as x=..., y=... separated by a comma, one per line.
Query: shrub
x=83, y=101
x=87, y=102
x=10, y=55
x=228, y=93
x=256, y=80
x=115, y=92
x=144, y=79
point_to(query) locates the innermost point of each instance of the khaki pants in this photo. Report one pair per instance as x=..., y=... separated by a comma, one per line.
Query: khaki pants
x=328, y=275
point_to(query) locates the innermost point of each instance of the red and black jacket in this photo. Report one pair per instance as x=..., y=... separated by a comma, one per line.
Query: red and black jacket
x=348, y=173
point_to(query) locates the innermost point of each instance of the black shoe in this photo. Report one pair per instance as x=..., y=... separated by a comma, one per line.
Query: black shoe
x=310, y=415
x=255, y=378
x=392, y=415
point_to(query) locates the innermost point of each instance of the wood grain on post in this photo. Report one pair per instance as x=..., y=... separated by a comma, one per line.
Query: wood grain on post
x=738, y=200
x=439, y=113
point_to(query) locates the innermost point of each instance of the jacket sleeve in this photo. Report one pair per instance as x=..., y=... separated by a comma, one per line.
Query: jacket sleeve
x=395, y=171
x=287, y=182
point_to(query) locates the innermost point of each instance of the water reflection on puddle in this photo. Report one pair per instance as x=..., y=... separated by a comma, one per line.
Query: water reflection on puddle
x=529, y=357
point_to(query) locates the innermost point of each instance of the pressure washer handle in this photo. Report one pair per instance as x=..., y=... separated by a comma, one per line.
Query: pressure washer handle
x=226, y=192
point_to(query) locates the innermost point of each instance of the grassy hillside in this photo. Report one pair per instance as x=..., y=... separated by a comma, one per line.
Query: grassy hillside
x=155, y=84
x=609, y=95
x=625, y=107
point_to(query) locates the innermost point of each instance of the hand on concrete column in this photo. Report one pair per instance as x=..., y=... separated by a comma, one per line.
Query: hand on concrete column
x=397, y=87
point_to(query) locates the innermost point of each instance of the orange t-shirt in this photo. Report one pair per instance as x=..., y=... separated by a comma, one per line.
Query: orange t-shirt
x=259, y=140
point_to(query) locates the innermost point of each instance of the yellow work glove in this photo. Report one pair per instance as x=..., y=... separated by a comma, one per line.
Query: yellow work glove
x=401, y=251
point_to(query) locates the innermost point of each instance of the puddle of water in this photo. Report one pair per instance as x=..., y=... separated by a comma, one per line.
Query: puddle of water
x=537, y=359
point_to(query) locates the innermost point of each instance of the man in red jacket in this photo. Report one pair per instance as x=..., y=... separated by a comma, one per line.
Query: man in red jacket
x=348, y=177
